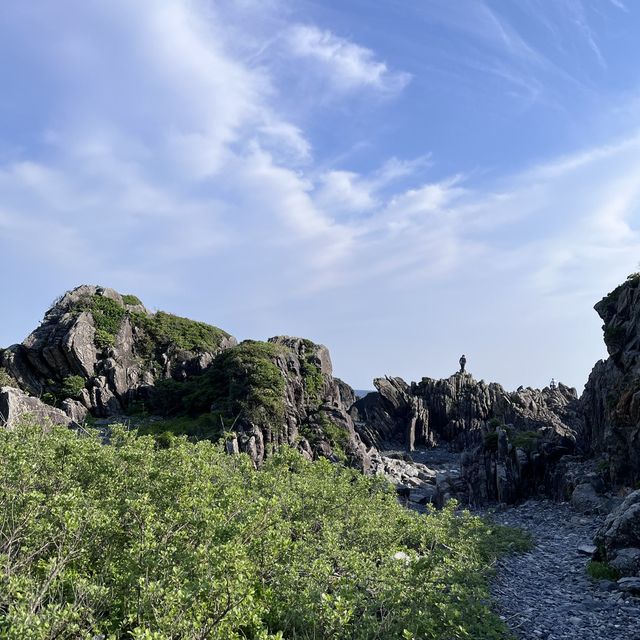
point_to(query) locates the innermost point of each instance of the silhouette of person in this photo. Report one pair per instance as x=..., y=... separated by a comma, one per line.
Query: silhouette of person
x=552, y=384
x=463, y=362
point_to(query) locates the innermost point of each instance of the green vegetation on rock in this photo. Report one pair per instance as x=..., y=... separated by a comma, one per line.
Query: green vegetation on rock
x=527, y=440
x=243, y=382
x=72, y=387
x=6, y=380
x=165, y=329
x=107, y=317
x=161, y=329
x=131, y=300
x=145, y=542
x=612, y=297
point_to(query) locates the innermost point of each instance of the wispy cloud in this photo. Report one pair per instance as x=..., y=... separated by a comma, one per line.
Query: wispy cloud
x=347, y=65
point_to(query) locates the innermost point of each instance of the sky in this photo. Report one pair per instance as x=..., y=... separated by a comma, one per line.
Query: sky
x=403, y=181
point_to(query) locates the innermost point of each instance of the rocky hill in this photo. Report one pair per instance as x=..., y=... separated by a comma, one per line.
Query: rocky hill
x=98, y=353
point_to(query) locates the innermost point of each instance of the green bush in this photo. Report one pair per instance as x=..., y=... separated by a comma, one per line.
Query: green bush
x=146, y=542
x=6, y=380
x=107, y=317
x=166, y=329
x=242, y=382
x=72, y=387
x=527, y=440
x=129, y=299
x=602, y=570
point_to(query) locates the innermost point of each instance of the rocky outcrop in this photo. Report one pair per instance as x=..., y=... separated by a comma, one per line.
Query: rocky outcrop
x=618, y=539
x=269, y=394
x=108, y=350
x=458, y=409
x=611, y=399
x=16, y=405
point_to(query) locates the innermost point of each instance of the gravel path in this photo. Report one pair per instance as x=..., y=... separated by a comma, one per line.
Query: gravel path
x=546, y=593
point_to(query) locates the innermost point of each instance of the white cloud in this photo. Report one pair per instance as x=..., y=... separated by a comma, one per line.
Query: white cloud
x=347, y=65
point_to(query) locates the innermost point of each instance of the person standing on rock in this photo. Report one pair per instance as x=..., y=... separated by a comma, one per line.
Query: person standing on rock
x=463, y=362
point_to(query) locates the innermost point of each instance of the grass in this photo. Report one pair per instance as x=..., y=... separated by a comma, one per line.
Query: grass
x=601, y=571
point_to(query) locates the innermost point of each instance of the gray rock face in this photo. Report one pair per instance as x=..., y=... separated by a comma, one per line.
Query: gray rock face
x=619, y=536
x=117, y=367
x=611, y=399
x=316, y=409
x=459, y=411
x=16, y=405
x=456, y=410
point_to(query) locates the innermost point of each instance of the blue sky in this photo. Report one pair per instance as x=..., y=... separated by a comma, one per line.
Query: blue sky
x=401, y=181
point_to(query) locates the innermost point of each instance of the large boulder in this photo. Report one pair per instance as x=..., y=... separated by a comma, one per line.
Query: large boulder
x=15, y=405
x=619, y=537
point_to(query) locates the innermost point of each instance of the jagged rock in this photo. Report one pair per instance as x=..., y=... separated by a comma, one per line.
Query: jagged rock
x=611, y=399
x=630, y=585
x=621, y=531
x=627, y=561
x=115, y=344
x=457, y=410
x=15, y=405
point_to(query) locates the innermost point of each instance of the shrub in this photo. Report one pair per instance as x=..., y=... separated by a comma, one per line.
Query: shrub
x=72, y=387
x=6, y=380
x=140, y=541
x=131, y=300
x=189, y=335
x=107, y=317
x=491, y=441
x=527, y=440
x=602, y=570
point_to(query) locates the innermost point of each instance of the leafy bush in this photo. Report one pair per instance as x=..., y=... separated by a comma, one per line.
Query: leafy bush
x=6, y=380
x=136, y=541
x=527, y=440
x=132, y=300
x=72, y=387
x=242, y=382
x=602, y=570
x=189, y=335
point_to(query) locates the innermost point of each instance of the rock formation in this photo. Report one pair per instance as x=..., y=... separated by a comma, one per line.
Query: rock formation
x=104, y=351
x=270, y=394
x=457, y=410
x=101, y=353
x=15, y=405
x=611, y=399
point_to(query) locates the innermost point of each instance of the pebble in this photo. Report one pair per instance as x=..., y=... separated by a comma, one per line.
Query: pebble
x=546, y=593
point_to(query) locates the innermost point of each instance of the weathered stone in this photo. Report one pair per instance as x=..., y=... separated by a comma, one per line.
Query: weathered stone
x=585, y=500
x=626, y=561
x=16, y=405
x=630, y=585
x=621, y=530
